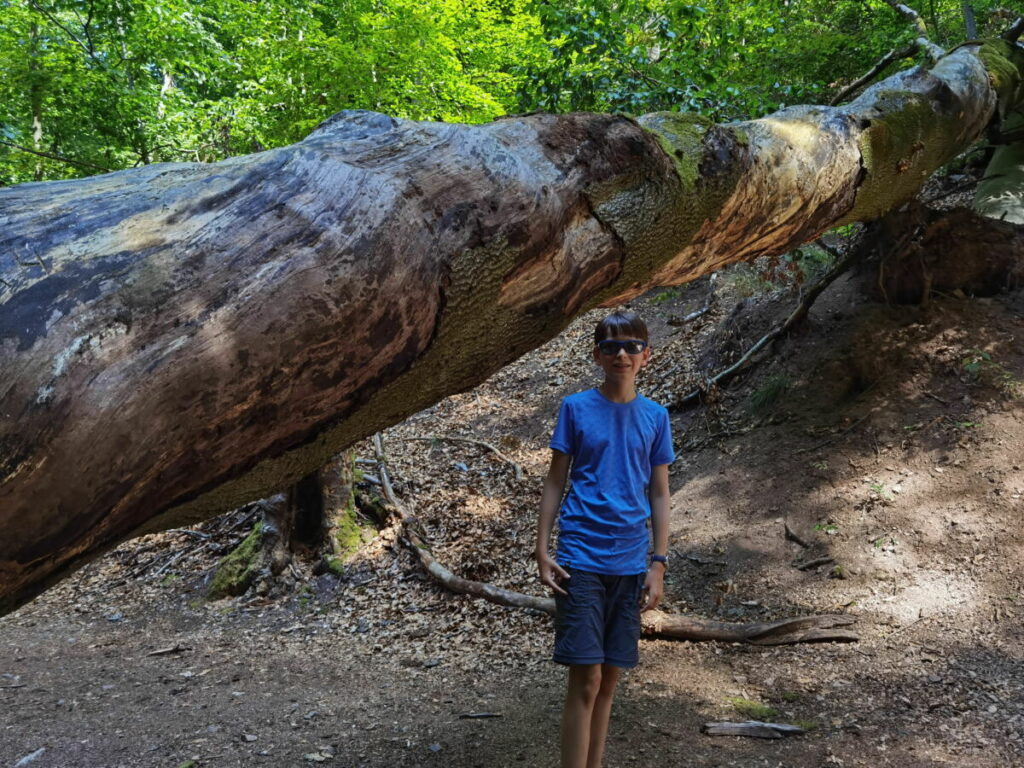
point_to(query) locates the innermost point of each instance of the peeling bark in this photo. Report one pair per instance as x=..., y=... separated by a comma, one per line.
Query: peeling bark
x=180, y=339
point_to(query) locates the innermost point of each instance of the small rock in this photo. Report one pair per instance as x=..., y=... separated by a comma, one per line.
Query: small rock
x=116, y=616
x=249, y=736
x=30, y=758
x=434, y=747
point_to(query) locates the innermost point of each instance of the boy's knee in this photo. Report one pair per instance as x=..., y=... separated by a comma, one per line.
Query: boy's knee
x=585, y=680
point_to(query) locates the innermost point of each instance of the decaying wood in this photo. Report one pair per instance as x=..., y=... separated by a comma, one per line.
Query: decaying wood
x=753, y=728
x=806, y=629
x=814, y=563
x=708, y=301
x=177, y=340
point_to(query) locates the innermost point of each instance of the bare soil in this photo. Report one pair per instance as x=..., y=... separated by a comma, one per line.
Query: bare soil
x=887, y=438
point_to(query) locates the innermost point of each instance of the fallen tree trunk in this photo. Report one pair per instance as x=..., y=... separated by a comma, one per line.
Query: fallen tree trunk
x=177, y=340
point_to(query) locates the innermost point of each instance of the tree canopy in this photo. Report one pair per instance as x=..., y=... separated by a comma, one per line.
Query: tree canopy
x=95, y=85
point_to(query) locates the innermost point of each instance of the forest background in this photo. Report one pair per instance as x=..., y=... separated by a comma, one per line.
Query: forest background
x=97, y=85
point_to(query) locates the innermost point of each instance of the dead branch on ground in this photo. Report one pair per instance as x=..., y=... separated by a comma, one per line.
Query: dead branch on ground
x=708, y=301
x=804, y=629
x=754, y=728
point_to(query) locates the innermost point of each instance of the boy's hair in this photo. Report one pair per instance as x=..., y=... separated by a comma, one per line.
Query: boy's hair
x=621, y=324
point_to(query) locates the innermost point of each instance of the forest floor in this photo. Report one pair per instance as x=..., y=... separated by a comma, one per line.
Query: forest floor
x=888, y=438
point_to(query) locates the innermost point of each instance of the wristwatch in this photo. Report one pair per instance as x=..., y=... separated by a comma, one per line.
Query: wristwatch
x=660, y=559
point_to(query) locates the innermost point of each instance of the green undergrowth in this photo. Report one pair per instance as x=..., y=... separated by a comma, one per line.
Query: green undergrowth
x=752, y=709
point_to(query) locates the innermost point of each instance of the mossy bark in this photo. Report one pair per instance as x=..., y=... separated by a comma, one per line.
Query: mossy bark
x=315, y=522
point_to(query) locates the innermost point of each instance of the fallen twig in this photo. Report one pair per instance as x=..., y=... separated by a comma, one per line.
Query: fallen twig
x=190, y=532
x=689, y=318
x=478, y=715
x=179, y=556
x=176, y=648
x=754, y=728
x=791, y=535
x=805, y=629
x=453, y=439
x=834, y=437
x=814, y=563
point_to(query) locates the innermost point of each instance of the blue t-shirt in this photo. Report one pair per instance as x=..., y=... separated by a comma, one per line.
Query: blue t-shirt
x=603, y=520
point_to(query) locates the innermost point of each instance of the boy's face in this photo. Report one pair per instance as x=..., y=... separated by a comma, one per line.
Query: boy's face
x=621, y=367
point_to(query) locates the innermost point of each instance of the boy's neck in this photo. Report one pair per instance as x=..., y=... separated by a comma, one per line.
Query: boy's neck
x=618, y=391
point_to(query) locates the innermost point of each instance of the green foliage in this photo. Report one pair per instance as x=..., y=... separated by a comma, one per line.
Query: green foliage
x=108, y=84
x=94, y=85
x=665, y=295
x=765, y=396
x=752, y=709
x=981, y=368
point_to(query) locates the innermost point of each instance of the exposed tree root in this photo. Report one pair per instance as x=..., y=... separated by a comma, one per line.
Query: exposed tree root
x=956, y=250
x=805, y=629
x=796, y=316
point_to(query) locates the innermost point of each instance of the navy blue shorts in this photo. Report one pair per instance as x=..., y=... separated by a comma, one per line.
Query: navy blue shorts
x=598, y=621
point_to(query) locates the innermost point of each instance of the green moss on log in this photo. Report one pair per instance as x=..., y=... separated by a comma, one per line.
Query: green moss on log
x=905, y=144
x=348, y=532
x=1005, y=65
x=238, y=570
x=681, y=135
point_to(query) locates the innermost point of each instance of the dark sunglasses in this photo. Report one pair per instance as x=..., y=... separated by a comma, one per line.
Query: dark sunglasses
x=612, y=346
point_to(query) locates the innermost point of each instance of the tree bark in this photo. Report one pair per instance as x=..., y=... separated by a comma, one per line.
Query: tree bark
x=179, y=339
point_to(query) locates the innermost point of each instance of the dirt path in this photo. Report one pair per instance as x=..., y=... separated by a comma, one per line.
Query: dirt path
x=885, y=449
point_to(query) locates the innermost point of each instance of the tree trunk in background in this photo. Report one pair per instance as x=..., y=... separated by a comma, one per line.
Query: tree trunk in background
x=179, y=339
x=314, y=521
x=35, y=97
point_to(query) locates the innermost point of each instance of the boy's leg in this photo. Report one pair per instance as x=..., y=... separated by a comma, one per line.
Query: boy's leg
x=582, y=691
x=601, y=714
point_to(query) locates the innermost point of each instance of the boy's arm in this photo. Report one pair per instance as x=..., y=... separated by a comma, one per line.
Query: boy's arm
x=551, y=573
x=658, y=493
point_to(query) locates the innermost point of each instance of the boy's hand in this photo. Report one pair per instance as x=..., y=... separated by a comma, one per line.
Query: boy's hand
x=654, y=587
x=551, y=573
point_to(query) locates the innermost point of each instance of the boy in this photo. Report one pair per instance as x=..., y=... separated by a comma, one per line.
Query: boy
x=619, y=445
